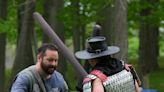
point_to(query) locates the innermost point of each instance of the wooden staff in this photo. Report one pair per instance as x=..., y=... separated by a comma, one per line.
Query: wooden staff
x=62, y=48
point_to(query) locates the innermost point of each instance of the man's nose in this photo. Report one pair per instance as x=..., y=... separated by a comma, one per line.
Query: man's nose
x=54, y=62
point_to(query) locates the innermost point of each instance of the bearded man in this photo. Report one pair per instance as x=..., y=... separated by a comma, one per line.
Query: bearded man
x=43, y=76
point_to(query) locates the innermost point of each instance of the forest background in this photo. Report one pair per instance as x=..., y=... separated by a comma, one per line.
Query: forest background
x=136, y=26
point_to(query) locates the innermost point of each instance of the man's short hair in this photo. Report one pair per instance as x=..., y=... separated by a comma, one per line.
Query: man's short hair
x=46, y=46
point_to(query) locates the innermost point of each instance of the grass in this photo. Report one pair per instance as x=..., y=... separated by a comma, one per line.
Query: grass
x=157, y=78
x=7, y=79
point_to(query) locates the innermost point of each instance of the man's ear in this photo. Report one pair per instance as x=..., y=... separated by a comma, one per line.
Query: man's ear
x=39, y=57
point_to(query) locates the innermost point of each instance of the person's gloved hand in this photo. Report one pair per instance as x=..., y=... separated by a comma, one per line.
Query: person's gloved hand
x=127, y=67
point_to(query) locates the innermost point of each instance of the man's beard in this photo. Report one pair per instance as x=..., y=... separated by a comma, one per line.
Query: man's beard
x=49, y=69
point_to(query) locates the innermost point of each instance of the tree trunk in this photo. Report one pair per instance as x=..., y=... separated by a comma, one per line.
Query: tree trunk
x=2, y=60
x=76, y=26
x=106, y=22
x=3, y=9
x=20, y=16
x=83, y=36
x=113, y=24
x=47, y=12
x=25, y=51
x=148, y=43
x=51, y=14
x=3, y=16
x=120, y=28
x=78, y=33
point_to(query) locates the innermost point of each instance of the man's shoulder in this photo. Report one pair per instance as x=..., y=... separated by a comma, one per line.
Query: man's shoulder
x=57, y=74
x=25, y=74
x=57, y=77
x=23, y=80
x=28, y=69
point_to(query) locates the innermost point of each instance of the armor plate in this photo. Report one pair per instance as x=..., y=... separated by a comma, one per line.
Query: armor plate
x=119, y=82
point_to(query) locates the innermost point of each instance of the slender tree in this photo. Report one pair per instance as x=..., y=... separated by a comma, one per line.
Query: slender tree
x=120, y=28
x=76, y=24
x=148, y=39
x=3, y=9
x=2, y=60
x=25, y=51
x=3, y=16
x=52, y=13
x=114, y=23
x=105, y=19
x=47, y=12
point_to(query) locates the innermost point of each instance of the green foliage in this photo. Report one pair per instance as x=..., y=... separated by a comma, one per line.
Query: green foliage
x=40, y=6
x=153, y=11
x=161, y=42
x=71, y=78
x=9, y=25
x=133, y=10
x=133, y=48
x=155, y=17
x=10, y=28
x=86, y=13
x=133, y=41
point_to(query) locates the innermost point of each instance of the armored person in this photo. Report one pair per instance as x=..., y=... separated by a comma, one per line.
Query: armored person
x=108, y=74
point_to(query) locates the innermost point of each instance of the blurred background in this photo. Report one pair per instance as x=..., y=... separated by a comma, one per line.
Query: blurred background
x=136, y=26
